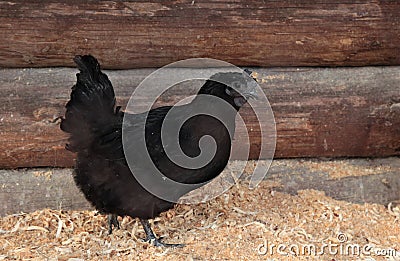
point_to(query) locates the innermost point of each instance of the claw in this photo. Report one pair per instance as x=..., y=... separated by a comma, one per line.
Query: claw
x=157, y=242
x=152, y=239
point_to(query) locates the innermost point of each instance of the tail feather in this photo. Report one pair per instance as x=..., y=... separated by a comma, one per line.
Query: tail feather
x=91, y=109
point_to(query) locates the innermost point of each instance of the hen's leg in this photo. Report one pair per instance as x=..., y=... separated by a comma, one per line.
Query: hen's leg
x=151, y=238
x=112, y=221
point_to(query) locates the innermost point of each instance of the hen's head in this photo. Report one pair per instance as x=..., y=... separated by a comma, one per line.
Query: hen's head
x=234, y=87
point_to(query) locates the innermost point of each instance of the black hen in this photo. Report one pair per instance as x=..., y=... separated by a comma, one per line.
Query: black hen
x=95, y=127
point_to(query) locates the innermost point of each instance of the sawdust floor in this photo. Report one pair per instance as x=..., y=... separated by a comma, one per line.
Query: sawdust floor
x=242, y=224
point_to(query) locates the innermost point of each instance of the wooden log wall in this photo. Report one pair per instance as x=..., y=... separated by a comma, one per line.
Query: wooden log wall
x=335, y=112
x=127, y=34
x=319, y=112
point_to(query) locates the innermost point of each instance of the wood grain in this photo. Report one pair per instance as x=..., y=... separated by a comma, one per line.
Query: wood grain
x=337, y=112
x=246, y=33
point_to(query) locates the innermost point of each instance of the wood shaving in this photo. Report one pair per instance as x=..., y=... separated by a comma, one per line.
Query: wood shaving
x=341, y=168
x=234, y=226
x=41, y=173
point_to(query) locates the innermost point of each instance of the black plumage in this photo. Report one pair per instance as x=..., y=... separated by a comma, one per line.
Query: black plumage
x=95, y=127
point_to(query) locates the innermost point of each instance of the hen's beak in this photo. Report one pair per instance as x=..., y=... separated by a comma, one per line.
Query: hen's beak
x=251, y=95
x=251, y=92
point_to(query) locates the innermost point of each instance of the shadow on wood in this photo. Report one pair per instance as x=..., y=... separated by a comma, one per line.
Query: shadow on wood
x=375, y=181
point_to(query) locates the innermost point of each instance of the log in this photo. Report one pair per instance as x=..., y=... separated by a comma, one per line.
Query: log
x=336, y=112
x=128, y=34
x=27, y=190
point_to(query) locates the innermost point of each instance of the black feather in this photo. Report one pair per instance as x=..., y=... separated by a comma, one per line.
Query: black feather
x=95, y=127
